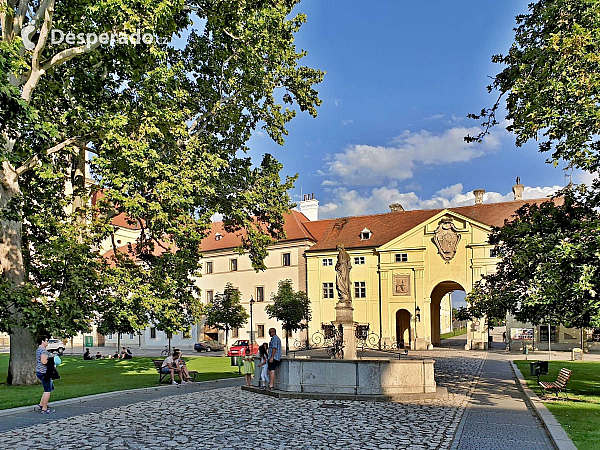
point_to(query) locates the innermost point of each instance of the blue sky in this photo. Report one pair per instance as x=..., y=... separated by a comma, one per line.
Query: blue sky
x=401, y=77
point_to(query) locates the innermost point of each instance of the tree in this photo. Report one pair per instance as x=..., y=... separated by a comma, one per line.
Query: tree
x=461, y=314
x=549, y=267
x=551, y=82
x=165, y=126
x=226, y=312
x=290, y=308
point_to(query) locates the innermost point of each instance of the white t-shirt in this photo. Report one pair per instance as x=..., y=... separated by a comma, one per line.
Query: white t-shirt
x=169, y=360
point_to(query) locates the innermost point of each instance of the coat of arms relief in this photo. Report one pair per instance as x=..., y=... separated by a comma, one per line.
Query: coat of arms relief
x=446, y=239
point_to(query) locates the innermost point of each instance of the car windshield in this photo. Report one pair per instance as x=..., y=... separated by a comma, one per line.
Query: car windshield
x=53, y=341
x=240, y=343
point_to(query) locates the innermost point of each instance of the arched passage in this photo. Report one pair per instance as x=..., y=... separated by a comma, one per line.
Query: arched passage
x=437, y=294
x=403, y=334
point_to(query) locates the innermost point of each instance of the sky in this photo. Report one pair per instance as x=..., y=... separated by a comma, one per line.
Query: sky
x=401, y=78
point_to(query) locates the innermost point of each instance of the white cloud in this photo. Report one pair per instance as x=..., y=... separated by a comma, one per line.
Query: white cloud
x=351, y=203
x=435, y=117
x=367, y=165
x=347, y=122
x=584, y=177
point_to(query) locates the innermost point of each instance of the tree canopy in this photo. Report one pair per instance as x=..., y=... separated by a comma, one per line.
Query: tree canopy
x=549, y=265
x=289, y=307
x=551, y=82
x=226, y=312
x=162, y=126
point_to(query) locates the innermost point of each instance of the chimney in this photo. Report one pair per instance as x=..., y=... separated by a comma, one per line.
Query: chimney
x=479, y=196
x=309, y=207
x=396, y=207
x=518, y=189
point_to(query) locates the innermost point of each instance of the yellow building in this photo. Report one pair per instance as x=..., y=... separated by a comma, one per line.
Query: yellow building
x=404, y=263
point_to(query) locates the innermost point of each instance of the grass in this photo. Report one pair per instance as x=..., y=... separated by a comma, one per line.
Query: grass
x=580, y=414
x=79, y=377
x=456, y=332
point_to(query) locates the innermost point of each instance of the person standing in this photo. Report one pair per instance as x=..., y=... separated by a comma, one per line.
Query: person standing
x=248, y=366
x=274, y=356
x=263, y=353
x=42, y=357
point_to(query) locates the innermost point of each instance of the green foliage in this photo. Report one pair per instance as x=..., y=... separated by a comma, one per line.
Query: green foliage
x=549, y=268
x=461, y=314
x=551, y=81
x=226, y=312
x=166, y=129
x=290, y=308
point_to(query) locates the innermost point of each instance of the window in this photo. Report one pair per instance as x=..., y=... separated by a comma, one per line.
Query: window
x=109, y=336
x=218, y=236
x=186, y=334
x=153, y=333
x=260, y=294
x=544, y=333
x=287, y=259
x=210, y=295
x=209, y=267
x=401, y=257
x=260, y=331
x=360, y=289
x=235, y=333
x=494, y=254
x=365, y=234
x=359, y=261
x=169, y=335
x=233, y=265
x=327, y=290
x=130, y=335
x=328, y=262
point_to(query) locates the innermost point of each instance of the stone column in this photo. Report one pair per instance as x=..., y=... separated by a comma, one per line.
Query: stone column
x=344, y=314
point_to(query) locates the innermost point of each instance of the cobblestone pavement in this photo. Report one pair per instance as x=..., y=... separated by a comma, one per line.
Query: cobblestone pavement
x=230, y=418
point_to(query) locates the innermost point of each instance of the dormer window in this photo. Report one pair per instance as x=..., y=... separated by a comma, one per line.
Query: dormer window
x=365, y=234
x=218, y=236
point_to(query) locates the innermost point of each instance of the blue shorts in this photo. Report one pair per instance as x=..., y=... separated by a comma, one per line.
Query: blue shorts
x=47, y=384
x=165, y=370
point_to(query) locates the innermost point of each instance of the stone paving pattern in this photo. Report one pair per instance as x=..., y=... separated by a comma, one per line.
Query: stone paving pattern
x=229, y=418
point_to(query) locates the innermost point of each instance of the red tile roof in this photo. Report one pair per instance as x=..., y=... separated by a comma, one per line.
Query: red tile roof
x=388, y=226
x=121, y=220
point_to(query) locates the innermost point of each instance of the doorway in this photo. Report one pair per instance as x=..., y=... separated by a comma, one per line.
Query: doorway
x=441, y=314
x=403, y=334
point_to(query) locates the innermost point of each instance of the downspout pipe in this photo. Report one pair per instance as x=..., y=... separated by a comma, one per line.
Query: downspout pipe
x=380, y=307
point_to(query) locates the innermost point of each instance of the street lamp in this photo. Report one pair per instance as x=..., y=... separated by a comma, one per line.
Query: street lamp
x=418, y=314
x=251, y=326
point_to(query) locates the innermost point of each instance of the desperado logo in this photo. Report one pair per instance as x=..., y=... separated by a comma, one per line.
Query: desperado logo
x=26, y=34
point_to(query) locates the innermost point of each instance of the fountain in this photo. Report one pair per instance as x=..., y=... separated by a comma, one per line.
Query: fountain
x=338, y=373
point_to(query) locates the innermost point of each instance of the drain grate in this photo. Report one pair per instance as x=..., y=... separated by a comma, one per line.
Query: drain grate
x=333, y=406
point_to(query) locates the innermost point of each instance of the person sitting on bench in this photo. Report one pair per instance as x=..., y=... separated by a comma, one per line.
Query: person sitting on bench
x=171, y=365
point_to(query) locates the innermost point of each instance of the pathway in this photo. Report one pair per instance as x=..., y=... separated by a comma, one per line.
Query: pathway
x=497, y=416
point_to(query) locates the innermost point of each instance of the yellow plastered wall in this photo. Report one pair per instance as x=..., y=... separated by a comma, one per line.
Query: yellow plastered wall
x=429, y=275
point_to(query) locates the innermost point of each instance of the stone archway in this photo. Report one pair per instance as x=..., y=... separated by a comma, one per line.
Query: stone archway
x=437, y=294
x=403, y=331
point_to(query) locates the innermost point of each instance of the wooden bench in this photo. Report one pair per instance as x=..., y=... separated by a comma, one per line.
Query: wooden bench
x=560, y=385
x=158, y=367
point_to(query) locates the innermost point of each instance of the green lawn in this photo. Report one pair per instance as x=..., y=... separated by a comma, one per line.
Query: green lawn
x=580, y=415
x=79, y=377
x=456, y=332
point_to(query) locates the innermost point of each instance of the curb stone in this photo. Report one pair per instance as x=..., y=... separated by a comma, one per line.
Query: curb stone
x=68, y=401
x=558, y=435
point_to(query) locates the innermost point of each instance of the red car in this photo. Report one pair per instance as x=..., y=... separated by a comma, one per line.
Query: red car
x=239, y=348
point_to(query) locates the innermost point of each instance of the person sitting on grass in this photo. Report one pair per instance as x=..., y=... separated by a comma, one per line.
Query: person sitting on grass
x=123, y=353
x=87, y=355
x=98, y=355
x=182, y=367
x=171, y=365
x=128, y=355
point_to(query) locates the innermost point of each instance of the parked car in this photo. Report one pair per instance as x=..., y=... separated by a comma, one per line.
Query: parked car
x=56, y=345
x=207, y=346
x=239, y=348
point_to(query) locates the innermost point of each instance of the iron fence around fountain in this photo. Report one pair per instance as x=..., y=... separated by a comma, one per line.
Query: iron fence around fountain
x=330, y=339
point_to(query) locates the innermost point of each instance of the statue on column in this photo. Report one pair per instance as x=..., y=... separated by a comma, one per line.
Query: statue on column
x=342, y=279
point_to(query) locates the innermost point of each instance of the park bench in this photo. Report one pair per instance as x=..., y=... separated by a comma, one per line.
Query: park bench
x=560, y=385
x=158, y=367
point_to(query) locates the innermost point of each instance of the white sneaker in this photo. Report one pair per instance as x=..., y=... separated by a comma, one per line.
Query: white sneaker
x=174, y=383
x=182, y=382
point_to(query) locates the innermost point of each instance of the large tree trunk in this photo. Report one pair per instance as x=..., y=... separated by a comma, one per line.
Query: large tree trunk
x=21, y=367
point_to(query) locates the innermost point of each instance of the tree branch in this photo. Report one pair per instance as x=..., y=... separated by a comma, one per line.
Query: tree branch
x=34, y=160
